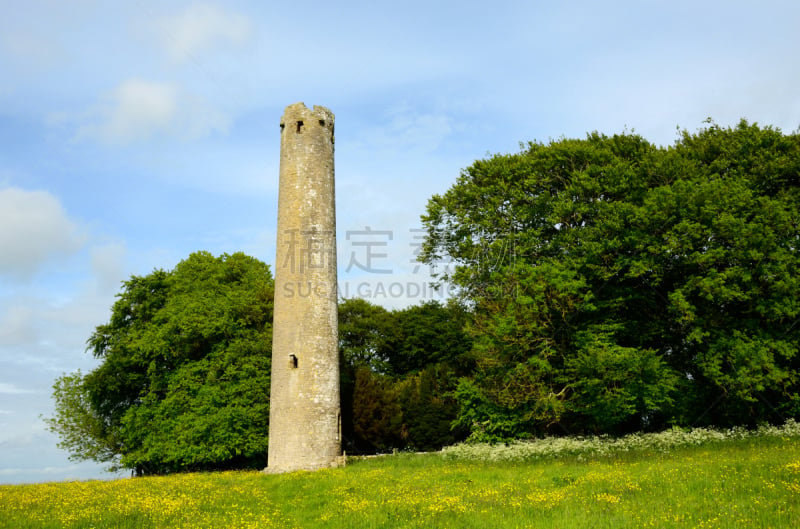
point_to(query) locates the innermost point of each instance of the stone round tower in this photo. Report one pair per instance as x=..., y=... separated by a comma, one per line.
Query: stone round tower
x=305, y=411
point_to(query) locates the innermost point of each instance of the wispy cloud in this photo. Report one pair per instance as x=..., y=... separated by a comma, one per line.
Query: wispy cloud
x=29, y=48
x=17, y=326
x=405, y=128
x=199, y=28
x=138, y=110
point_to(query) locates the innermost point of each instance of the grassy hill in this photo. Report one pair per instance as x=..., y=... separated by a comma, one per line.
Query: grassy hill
x=676, y=480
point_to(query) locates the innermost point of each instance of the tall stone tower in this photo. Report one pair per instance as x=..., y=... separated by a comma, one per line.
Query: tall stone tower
x=305, y=411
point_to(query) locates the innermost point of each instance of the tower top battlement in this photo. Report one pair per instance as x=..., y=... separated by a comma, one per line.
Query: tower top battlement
x=300, y=113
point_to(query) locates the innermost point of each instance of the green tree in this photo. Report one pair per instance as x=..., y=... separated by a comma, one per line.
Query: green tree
x=183, y=380
x=84, y=433
x=427, y=334
x=616, y=389
x=617, y=285
x=377, y=417
x=429, y=408
x=389, y=361
x=364, y=330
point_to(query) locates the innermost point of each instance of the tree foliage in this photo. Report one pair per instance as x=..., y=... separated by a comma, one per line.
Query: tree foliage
x=399, y=369
x=616, y=285
x=84, y=433
x=183, y=380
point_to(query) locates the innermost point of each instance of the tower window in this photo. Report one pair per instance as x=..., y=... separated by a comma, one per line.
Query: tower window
x=299, y=126
x=292, y=361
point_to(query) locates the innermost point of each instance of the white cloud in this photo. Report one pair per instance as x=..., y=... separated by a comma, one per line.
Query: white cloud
x=199, y=28
x=134, y=110
x=11, y=389
x=33, y=228
x=137, y=110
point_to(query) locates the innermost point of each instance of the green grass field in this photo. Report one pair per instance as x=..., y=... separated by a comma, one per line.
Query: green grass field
x=744, y=482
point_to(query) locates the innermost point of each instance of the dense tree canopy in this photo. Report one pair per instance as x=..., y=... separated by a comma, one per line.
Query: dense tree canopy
x=399, y=370
x=616, y=285
x=183, y=380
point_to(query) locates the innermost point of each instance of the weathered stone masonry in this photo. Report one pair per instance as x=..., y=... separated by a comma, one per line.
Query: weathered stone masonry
x=305, y=412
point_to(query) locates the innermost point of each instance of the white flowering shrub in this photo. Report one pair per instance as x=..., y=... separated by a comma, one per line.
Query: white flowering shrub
x=555, y=447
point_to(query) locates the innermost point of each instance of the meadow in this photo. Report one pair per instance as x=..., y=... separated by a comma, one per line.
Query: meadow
x=702, y=478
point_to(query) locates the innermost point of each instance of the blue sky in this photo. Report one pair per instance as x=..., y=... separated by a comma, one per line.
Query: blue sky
x=132, y=134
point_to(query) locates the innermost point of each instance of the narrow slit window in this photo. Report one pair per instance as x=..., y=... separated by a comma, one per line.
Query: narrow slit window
x=293, y=361
x=299, y=126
